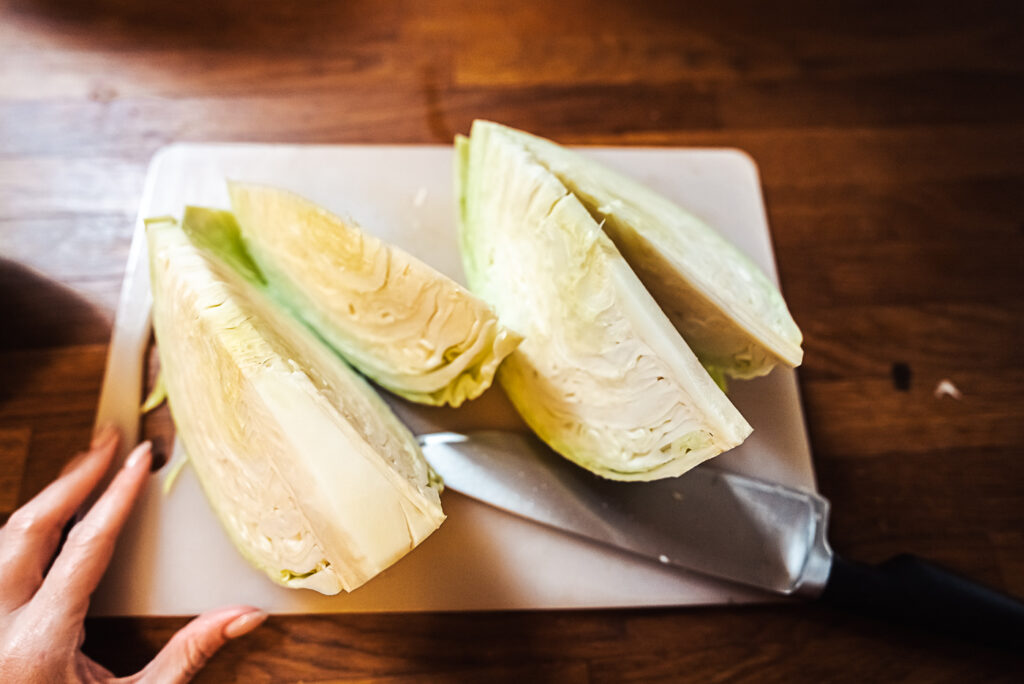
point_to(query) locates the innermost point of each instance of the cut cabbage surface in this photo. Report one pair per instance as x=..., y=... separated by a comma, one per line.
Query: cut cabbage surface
x=315, y=480
x=601, y=375
x=729, y=312
x=403, y=324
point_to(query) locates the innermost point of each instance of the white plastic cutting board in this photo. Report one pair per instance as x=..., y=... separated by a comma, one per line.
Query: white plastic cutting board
x=174, y=559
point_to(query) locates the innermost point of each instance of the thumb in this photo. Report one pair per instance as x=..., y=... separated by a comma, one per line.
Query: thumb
x=194, y=644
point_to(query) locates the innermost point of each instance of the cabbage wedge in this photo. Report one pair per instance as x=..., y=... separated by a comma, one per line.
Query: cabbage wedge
x=401, y=323
x=313, y=477
x=729, y=312
x=602, y=376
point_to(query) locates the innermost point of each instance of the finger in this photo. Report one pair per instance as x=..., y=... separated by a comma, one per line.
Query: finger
x=30, y=537
x=93, y=671
x=188, y=650
x=79, y=566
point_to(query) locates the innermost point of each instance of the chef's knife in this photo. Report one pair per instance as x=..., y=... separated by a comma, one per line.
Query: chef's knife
x=720, y=524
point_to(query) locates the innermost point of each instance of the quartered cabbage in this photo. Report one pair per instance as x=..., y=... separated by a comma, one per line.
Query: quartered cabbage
x=601, y=375
x=311, y=474
x=728, y=311
x=403, y=324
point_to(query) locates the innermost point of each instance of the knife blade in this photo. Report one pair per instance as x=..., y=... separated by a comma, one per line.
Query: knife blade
x=720, y=524
x=713, y=522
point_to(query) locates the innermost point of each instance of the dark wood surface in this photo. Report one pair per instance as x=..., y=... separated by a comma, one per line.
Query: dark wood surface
x=891, y=147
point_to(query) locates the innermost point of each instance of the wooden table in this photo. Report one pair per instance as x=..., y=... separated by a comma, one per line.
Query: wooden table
x=891, y=144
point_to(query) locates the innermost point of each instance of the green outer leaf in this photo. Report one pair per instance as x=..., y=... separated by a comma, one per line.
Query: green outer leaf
x=216, y=231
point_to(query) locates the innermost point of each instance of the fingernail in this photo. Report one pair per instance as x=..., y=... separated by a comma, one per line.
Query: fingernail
x=105, y=436
x=159, y=454
x=243, y=624
x=138, y=455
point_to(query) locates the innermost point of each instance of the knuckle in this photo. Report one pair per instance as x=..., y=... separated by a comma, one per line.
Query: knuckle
x=87, y=535
x=196, y=655
x=24, y=522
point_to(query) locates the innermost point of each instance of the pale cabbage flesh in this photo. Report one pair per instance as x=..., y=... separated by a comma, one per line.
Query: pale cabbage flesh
x=725, y=307
x=601, y=375
x=406, y=326
x=313, y=477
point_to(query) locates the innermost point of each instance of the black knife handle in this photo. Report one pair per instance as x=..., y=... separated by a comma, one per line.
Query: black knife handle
x=911, y=590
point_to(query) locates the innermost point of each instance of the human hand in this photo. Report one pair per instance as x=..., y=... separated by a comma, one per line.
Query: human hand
x=42, y=611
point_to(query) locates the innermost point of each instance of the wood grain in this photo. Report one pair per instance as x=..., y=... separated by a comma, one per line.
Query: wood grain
x=13, y=450
x=890, y=139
